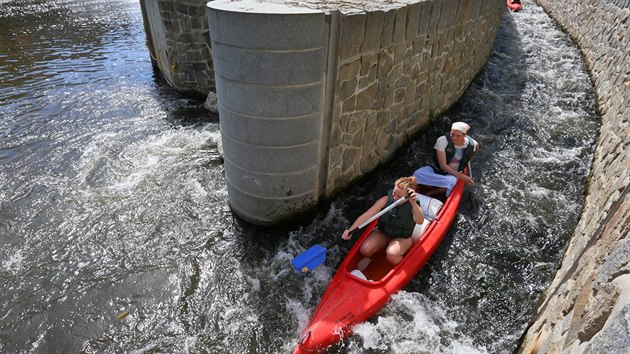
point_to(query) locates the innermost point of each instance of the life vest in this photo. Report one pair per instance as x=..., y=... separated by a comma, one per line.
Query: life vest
x=398, y=222
x=450, y=152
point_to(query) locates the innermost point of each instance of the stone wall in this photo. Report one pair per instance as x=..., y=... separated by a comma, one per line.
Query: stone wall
x=179, y=43
x=295, y=133
x=587, y=306
x=396, y=70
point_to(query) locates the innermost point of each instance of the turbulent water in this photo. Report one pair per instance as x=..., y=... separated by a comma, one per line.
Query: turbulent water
x=115, y=234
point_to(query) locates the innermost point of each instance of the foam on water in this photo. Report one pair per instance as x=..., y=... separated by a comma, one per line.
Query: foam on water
x=12, y=264
x=412, y=323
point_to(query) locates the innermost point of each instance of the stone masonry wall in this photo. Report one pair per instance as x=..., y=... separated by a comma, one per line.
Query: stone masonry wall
x=185, y=59
x=397, y=69
x=587, y=306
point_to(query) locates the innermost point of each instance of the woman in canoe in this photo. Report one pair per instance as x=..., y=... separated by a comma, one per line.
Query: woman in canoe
x=452, y=153
x=394, y=228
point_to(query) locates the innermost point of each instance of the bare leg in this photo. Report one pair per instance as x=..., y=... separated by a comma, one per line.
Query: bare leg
x=397, y=249
x=374, y=243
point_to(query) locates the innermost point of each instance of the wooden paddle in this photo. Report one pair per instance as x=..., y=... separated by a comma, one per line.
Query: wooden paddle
x=316, y=255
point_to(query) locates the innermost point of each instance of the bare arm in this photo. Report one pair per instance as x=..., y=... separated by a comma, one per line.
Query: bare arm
x=374, y=209
x=441, y=155
x=416, y=209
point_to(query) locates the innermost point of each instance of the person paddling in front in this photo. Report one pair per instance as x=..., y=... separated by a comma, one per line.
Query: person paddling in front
x=452, y=153
x=395, y=228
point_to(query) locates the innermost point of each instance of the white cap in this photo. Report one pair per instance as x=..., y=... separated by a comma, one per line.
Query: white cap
x=461, y=126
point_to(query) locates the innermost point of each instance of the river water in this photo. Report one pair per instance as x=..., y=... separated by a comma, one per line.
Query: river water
x=115, y=234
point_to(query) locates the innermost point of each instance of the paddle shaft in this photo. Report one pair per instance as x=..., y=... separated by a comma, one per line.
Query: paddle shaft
x=365, y=223
x=316, y=255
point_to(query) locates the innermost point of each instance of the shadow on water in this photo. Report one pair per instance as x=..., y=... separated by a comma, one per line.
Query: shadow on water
x=188, y=112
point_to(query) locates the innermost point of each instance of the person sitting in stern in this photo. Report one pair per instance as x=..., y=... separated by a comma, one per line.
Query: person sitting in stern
x=452, y=154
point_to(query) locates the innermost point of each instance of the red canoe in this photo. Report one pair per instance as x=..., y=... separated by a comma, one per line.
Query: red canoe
x=350, y=300
x=514, y=5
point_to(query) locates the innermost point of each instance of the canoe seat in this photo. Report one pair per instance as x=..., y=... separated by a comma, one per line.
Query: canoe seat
x=430, y=208
x=419, y=230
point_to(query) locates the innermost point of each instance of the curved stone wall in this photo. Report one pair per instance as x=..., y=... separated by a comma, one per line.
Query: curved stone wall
x=179, y=43
x=315, y=94
x=587, y=306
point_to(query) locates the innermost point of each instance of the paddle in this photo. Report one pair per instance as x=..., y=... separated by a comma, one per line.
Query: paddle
x=316, y=255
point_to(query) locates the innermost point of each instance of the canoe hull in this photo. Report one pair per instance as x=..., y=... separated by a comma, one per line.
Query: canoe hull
x=514, y=6
x=349, y=300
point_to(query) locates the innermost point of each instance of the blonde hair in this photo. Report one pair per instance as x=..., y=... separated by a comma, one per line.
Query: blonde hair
x=406, y=182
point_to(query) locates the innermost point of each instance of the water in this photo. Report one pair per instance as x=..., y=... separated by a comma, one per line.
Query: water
x=113, y=202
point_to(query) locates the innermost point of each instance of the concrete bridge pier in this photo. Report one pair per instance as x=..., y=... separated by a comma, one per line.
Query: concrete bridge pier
x=274, y=56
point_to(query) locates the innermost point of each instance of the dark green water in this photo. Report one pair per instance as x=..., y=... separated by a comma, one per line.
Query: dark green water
x=112, y=199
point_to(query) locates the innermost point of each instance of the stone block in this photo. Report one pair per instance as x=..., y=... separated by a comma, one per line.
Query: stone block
x=269, y=159
x=357, y=122
x=426, y=8
x=285, y=185
x=476, y=9
x=369, y=162
x=262, y=67
x=185, y=25
x=347, y=140
x=262, y=210
x=448, y=16
x=197, y=23
x=400, y=26
x=271, y=131
x=366, y=98
x=413, y=21
x=350, y=70
x=166, y=7
x=181, y=9
x=265, y=25
x=374, y=23
x=192, y=56
x=368, y=62
x=350, y=159
x=197, y=11
x=388, y=28
x=463, y=11
x=400, y=51
x=363, y=83
x=352, y=32
x=436, y=14
x=368, y=145
x=269, y=101
x=348, y=89
x=349, y=105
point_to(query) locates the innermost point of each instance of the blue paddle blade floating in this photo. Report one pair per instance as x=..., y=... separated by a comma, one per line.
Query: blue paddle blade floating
x=309, y=259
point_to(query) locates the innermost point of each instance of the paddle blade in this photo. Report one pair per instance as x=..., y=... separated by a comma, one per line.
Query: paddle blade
x=309, y=259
